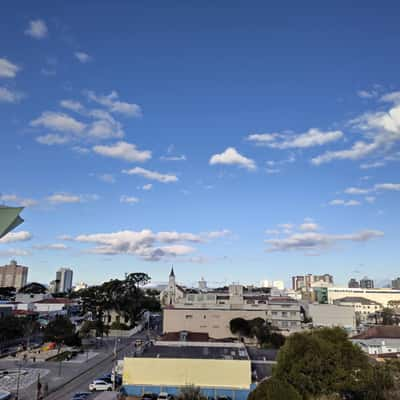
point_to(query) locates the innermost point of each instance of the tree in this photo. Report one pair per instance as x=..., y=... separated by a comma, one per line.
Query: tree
x=7, y=293
x=61, y=330
x=274, y=389
x=324, y=362
x=191, y=393
x=240, y=326
x=388, y=316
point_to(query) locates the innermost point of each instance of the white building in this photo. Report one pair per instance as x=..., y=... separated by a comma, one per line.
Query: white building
x=381, y=296
x=364, y=308
x=379, y=340
x=330, y=315
x=211, y=311
x=272, y=284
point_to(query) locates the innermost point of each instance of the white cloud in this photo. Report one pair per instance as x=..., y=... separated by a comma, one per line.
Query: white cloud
x=114, y=105
x=345, y=203
x=231, y=157
x=10, y=96
x=354, y=190
x=381, y=131
x=21, y=236
x=173, y=158
x=37, y=29
x=152, y=175
x=123, y=151
x=108, y=178
x=52, y=246
x=315, y=240
x=82, y=57
x=367, y=94
x=72, y=105
x=370, y=199
x=388, y=186
x=148, y=186
x=313, y=137
x=145, y=244
x=309, y=226
x=14, y=252
x=52, y=139
x=8, y=69
x=60, y=198
x=59, y=122
x=24, y=202
x=128, y=199
x=376, y=164
x=218, y=234
x=393, y=97
x=80, y=150
x=106, y=129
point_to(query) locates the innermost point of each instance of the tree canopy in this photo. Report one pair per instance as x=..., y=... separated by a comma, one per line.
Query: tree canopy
x=61, y=330
x=274, y=389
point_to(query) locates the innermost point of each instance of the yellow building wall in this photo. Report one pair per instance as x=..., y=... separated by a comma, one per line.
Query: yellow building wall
x=183, y=372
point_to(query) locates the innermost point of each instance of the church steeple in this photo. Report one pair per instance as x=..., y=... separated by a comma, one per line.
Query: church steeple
x=172, y=274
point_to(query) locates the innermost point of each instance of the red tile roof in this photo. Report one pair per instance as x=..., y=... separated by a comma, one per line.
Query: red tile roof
x=380, y=332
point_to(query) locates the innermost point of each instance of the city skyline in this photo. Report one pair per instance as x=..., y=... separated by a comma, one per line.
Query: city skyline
x=178, y=135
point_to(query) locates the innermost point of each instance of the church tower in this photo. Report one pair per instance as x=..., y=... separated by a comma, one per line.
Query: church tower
x=171, y=287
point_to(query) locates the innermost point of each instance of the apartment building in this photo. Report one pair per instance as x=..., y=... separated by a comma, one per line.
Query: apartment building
x=382, y=295
x=211, y=312
x=308, y=281
x=13, y=275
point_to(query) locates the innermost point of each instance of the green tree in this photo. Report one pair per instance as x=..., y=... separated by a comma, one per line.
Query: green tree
x=191, y=393
x=60, y=330
x=240, y=326
x=274, y=389
x=7, y=293
x=324, y=362
x=388, y=316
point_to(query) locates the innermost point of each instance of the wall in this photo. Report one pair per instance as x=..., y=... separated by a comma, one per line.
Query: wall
x=216, y=322
x=229, y=374
x=332, y=315
x=382, y=296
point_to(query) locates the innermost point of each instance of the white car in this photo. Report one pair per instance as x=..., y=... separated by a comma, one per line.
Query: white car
x=163, y=396
x=100, y=386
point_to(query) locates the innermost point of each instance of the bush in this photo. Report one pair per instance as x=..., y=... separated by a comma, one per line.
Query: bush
x=274, y=389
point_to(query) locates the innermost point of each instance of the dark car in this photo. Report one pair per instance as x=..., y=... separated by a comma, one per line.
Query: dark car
x=81, y=396
x=149, y=396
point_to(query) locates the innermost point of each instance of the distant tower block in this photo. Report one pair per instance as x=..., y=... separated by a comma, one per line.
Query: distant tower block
x=202, y=284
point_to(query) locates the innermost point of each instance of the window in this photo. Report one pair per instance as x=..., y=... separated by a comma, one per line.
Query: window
x=275, y=313
x=188, y=316
x=284, y=314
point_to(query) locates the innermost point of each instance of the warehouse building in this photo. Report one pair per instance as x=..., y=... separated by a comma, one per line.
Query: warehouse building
x=218, y=369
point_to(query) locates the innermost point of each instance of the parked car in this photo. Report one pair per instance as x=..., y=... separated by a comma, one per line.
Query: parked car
x=100, y=385
x=149, y=396
x=164, y=396
x=81, y=396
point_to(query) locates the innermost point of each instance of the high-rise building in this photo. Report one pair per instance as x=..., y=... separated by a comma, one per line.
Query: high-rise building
x=63, y=282
x=396, y=283
x=366, y=283
x=353, y=283
x=307, y=281
x=13, y=275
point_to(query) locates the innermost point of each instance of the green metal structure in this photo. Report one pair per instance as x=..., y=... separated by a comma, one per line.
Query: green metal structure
x=9, y=219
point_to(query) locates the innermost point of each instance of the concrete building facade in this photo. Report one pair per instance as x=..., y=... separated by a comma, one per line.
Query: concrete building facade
x=211, y=312
x=13, y=275
x=63, y=280
x=382, y=296
x=331, y=315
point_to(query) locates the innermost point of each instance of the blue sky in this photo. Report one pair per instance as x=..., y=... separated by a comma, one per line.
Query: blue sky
x=238, y=143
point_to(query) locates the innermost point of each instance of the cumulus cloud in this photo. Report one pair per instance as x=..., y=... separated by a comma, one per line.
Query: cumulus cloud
x=82, y=57
x=128, y=199
x=306, y=241
x=8, y=69
x=152, y=175
x=313, y=137
x=58, y=121
x=10, y=96
x=367, y=94
x=309, y=226
x=123, y=151
x=232, y=157
x=51, y=246
x=145, y=244
x=381, y=132
x=113, y=104
x=21, y=236
x=67, y=198
x=72, y=105
x=52, y=139
x=345, y=203
x=37, y=29
x=24, y=202
x=355, y=190
x=147, y=187
x=379, y=187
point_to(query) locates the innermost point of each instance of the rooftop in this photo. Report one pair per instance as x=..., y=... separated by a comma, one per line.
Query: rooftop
x=196, y=350
x=355, y=299
x=380, y=332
